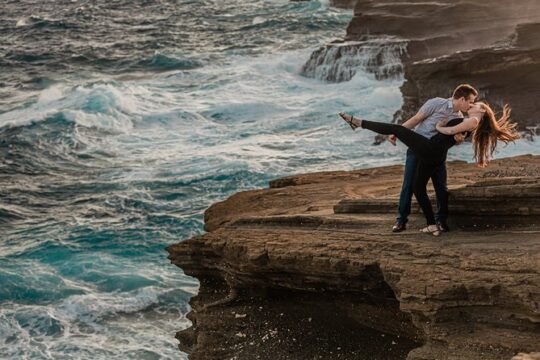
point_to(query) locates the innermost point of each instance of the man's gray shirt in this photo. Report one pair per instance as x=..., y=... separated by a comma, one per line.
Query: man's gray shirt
x=436, y=109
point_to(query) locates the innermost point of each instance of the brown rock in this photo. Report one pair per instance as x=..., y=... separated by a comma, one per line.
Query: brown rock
x=503, y=75
x=310, y=282
x=441, y=27
x=489, y=44
x=344, y=4
x=339, y=61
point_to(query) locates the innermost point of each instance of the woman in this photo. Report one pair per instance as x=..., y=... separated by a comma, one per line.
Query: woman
x=432, y=152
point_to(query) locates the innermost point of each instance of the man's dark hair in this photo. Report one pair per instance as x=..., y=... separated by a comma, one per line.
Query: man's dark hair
x=464, y=90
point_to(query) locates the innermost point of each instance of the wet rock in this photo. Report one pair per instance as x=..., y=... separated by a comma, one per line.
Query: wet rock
x=340, y=61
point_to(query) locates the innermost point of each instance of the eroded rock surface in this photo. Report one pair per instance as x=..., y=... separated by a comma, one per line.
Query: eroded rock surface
x=284, y=277
x=436, y=28
x=440, y=44
x=502, y=74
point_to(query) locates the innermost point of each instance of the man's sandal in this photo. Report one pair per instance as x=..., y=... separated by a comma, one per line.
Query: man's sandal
x=431, y=229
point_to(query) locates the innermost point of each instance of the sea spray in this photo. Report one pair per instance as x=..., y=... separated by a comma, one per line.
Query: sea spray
x=340, y=61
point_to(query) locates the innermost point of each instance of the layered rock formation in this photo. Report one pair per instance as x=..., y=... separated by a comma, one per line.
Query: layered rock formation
x=440, y=28
x=502, y=74
x=308, y=269
x=491, y=44
x=340, y=61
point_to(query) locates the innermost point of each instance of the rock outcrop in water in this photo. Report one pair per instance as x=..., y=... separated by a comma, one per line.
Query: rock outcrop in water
x=439, y=28
x=308, y=269
x=491, y=44
x=502, y=74
x=338, y=62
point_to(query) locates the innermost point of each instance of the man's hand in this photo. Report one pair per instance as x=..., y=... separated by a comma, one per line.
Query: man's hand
x=392, y=139
x=459, y=138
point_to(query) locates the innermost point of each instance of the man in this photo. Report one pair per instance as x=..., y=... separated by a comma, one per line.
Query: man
x=424, y=124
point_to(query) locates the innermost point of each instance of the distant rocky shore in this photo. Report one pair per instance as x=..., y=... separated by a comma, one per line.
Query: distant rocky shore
x=308, y=269
x=440, y=44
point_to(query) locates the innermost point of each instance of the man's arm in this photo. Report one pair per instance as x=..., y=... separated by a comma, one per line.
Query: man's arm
x=409, y=124
x=415, y=120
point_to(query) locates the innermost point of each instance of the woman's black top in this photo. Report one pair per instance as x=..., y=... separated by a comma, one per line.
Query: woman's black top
x=441, y=142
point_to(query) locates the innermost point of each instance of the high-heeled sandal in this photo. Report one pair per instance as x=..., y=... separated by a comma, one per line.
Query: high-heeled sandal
x=348, y=119
x=431, y=229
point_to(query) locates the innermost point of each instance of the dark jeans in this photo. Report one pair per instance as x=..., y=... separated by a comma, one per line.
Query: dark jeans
x=428, y=161
x=438, y=178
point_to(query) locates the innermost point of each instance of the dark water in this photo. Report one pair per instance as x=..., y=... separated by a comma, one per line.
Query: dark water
x=109, y=153
x=120, y=122
x=45, y=42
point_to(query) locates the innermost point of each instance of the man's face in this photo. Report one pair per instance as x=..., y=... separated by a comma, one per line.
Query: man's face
x=466, y=103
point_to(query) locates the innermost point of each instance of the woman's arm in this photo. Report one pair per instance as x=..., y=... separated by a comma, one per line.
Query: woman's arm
x=468, y=124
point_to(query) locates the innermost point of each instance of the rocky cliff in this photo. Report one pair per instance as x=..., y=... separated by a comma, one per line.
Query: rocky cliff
x=503, y=74
x=437, y=45
x=308, y=269
x=443, y=27
x=489, y=44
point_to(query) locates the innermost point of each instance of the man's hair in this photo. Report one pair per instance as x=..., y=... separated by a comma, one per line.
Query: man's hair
x=464, y=90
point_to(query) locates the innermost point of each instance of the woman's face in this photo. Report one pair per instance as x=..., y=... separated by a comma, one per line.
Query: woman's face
x=476, y=110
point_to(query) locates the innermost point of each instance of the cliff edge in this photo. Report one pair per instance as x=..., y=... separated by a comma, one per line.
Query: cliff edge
x=438, y=45
x=308, y=269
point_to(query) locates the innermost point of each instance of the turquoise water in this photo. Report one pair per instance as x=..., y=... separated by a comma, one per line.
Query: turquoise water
x=119, y=127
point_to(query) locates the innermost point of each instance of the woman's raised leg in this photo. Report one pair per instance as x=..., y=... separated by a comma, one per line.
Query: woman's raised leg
x=416, y=142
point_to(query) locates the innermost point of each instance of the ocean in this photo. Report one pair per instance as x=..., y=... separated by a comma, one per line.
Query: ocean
x=122, y=121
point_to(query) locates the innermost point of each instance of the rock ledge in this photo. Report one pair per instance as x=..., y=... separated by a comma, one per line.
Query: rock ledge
x=284, y=277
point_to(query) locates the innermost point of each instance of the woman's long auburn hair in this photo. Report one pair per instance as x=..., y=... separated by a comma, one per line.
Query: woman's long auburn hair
x=489, y=130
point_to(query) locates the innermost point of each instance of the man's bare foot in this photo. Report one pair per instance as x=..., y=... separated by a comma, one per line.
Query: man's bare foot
x=351, y=120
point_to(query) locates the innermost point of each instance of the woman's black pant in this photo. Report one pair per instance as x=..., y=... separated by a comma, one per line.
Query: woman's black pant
x=430, y=157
